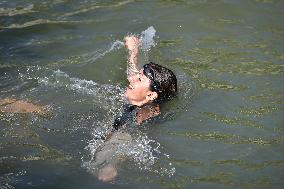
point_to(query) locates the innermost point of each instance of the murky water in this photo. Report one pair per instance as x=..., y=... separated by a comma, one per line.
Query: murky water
x=225, y=129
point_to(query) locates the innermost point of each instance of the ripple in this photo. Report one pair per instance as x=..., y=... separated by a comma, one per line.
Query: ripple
x=9, y=179
x=233, y=120
x=250, y=166
x=206, y=60
x=91, y=8
x=40, y=152
x=194, y=71
x=228, y=21
x=228, y=138
x=264, y=1
x=259, y=111
x=169, y=43
x=252, y=68
x=183, y=162
x=210, y=56
x=17, y=10
x=41, y=22
x=268, y=97
x=51, y=40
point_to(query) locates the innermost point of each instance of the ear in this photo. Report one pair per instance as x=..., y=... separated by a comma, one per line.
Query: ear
x=152, y=95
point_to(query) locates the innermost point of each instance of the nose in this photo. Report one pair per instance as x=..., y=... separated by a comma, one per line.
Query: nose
x=132, y=78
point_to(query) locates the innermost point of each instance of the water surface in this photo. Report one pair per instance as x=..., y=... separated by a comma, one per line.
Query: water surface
x=225, y=129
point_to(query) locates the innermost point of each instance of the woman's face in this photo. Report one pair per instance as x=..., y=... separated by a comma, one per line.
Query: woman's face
x=138, y=90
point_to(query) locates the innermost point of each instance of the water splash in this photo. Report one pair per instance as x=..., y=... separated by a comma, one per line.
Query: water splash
x=147, y=39
x=109, y=94
x=38, y=22
x=143, y=151
x=96, y=55
x=94, y=7
x=37, y=79
x=9, y=179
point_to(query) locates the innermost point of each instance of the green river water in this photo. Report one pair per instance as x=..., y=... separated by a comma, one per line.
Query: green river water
x=224, y=130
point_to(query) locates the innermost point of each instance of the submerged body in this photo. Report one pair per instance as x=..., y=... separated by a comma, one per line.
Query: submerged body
x=118, y=142
x=107, y=155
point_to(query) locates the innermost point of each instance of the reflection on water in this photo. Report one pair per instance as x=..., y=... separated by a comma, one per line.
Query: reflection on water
x=224, y=130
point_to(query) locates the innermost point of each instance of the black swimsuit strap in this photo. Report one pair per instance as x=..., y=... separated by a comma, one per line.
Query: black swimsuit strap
x=121, y=120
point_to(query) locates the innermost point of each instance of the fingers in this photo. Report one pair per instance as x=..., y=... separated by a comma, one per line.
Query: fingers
x=130, y=38
x=127, y=39
x=131, y=42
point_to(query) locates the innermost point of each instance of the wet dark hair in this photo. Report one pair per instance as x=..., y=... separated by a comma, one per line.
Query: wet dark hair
x=163, y=81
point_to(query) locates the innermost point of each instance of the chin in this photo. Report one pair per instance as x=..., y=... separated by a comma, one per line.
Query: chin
x=126, y=95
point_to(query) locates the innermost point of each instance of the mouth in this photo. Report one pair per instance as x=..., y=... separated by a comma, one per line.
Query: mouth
x=130, y=87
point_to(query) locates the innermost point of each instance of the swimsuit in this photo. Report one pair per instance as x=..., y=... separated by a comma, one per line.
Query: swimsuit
x=128, y=116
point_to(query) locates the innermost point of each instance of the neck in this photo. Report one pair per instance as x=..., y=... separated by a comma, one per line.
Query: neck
x=138, y=103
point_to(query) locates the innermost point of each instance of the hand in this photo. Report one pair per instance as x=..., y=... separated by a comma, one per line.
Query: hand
x=131, y=42
x=107, y=173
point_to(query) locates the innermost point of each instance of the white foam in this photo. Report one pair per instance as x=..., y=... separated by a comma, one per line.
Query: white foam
x=142, y=150
x=147, y=38
x=147, y=41
x=60, y=79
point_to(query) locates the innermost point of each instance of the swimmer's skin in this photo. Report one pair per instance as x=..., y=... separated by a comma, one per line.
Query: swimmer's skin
x=138, y=93
x=132, y=44
x=11, y=105
x=105, y=155
x=107, y=173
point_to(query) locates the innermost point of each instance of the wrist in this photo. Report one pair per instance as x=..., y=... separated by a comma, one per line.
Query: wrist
x=133, y=52
x=134, y=49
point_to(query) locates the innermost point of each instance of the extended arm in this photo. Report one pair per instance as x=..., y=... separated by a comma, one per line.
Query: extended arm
x=132, y=44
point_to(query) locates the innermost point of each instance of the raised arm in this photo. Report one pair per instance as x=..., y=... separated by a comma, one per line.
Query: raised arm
x=132, y=44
